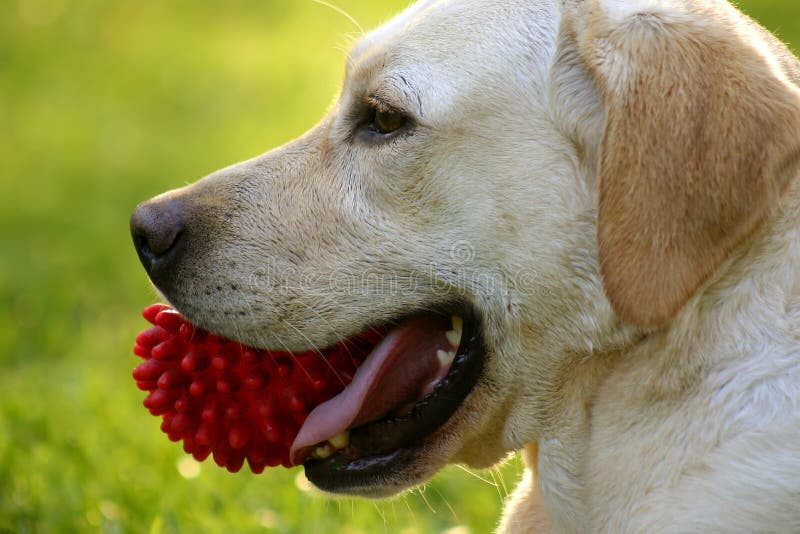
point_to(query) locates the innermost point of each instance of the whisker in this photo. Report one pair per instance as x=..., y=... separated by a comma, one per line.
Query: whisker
x=285, y=347
x=446, y=503
x=260, y=339
x=410, y=510
x=476, y=475
x=294, y=358
x=342, y=12
x=421, y=491
x=383, y=516
x=502, y=480
x=496, y=485
x=344, y=340
x=333, y=330
x=317, y=352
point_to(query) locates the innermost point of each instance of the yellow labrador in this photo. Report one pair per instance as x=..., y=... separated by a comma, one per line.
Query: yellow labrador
x=578, y=219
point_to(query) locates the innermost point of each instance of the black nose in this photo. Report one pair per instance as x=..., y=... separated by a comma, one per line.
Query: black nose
x=157, y=227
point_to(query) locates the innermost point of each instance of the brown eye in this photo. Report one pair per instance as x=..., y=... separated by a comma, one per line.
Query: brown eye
x=386, y=122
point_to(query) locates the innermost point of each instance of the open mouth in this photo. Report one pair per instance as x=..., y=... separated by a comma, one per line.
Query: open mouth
x=373, y=398
x=410, y=384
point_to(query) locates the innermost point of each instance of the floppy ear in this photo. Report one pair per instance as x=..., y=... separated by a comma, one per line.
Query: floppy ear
x=702, y=136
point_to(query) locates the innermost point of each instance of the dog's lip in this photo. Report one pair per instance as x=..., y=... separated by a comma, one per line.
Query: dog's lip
x=379, y=449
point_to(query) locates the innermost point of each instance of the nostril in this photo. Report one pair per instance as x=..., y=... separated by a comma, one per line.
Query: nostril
x=143, y=246
x=157, y=242
x=156, y=228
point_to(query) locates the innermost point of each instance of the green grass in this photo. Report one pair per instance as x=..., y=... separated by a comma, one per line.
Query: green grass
x=103, y=104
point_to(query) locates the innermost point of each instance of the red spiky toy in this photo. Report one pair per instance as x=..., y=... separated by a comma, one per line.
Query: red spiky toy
x=233, y=401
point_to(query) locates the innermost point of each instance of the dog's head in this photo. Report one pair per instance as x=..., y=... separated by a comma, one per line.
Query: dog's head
x=558, y=175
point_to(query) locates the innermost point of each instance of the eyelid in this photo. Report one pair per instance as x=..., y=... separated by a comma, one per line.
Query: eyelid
x=381, y=104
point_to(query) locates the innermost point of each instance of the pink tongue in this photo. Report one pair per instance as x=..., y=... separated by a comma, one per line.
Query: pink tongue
x=394, y=374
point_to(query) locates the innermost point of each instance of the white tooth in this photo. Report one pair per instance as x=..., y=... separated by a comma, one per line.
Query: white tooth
x=445, y=358
x=458, y=324
x=454, y=337
x=340, y=441
x=322, y=452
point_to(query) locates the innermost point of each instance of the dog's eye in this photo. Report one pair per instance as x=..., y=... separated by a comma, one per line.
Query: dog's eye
x=385, y=122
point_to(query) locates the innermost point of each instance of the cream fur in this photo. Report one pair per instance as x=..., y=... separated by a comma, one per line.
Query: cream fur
x=681, y=417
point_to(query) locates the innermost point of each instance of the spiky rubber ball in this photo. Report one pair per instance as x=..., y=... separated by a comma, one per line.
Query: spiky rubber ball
x=234, y=402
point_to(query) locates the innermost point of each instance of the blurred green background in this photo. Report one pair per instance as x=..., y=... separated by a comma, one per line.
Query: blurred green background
x=106, y=103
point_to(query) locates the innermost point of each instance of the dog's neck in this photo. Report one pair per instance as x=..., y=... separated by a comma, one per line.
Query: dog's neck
x=746, y=313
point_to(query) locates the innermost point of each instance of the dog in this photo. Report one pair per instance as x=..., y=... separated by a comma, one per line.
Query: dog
x=594, y=202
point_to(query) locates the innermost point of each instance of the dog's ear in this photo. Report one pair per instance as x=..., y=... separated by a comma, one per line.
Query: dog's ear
x=702, y=136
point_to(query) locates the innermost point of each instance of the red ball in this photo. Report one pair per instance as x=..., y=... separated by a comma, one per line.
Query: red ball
x=235, y=402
